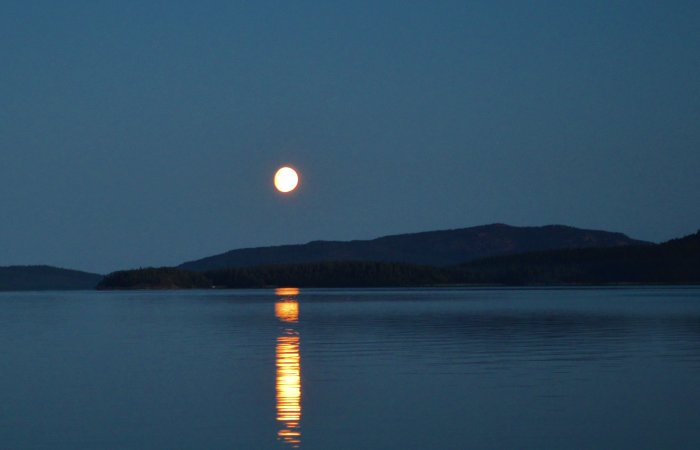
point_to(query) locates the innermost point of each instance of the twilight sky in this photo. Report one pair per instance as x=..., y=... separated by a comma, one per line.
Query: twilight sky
x=140, y=133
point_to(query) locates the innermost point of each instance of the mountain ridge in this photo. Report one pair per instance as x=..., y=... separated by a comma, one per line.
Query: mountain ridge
x=675, y=262
x=434, y=247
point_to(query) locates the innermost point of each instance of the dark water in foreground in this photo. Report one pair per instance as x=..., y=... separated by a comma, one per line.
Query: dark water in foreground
x=337, y=369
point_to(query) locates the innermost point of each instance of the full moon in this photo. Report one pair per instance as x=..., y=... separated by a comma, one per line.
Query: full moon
x=286, y=179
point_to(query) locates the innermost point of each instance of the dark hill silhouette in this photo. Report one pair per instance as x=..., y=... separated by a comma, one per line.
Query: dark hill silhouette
x=42, y=278
x=435, y=248
x=674, y=262
x=689, y=245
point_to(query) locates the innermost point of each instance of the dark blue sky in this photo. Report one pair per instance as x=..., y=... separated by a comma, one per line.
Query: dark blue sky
x=147, y=133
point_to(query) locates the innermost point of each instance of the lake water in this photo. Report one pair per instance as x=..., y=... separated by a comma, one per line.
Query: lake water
x=351, y=369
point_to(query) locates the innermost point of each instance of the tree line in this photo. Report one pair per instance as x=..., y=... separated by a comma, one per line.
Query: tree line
x=322, y=274
x=674, y=262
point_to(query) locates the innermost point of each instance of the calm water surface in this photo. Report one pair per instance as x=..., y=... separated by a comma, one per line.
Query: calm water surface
x=337, y=369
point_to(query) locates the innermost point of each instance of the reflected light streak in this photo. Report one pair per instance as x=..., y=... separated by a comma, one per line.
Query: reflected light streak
x=288, y=380
x=289, y=390
x=287, y=291
x=287, y=311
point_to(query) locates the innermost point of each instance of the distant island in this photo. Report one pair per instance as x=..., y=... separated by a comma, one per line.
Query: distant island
x=45, y=278
x=497, y=255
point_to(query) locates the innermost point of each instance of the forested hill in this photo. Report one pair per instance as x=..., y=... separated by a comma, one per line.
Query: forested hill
x=43, y=278
x=436, y=248
x=673, y=262
x=322, y=274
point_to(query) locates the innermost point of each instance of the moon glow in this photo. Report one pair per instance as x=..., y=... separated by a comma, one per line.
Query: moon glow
x=286, y=179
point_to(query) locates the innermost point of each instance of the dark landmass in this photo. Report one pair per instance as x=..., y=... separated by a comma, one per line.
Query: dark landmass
x=330, y=274
x=616, y=260
x=45, y=278
x=434, y=248
x=154, y=278
x=324, y=274
x=673, y=262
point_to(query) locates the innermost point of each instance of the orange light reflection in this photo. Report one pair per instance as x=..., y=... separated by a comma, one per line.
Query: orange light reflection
x=287, y=311
x=287, y=291
x=288, y=380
